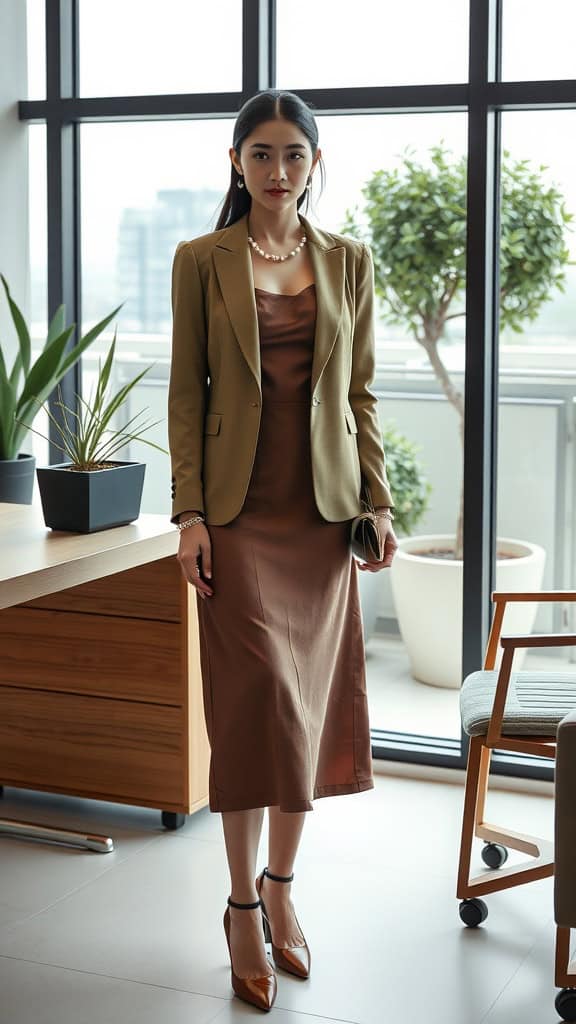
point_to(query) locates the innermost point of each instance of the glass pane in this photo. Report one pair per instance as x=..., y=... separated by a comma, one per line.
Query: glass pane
x=142, y=47
x=38, y=276
x=405, y=646
x=384, y=43
x=163, y=186
x=36, y=41
x=538, y=40
x=537, y=387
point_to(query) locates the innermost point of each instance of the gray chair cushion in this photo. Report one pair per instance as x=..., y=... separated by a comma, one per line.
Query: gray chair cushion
x=536, y=702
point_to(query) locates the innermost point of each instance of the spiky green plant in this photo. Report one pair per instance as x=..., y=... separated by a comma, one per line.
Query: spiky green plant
x=25, y=385
x=88, y=442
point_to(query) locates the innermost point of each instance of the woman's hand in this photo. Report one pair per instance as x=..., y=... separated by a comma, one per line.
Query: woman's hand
x=389, y=543
x=194, y=544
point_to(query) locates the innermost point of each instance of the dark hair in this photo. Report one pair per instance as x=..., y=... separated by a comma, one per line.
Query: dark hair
x=266, y=106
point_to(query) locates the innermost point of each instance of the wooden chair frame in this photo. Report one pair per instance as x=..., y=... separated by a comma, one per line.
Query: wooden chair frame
x=478, y=769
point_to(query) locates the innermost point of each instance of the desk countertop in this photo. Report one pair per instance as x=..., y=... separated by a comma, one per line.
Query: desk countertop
x=35, y=561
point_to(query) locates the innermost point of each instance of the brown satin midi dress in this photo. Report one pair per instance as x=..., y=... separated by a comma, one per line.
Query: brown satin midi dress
x=281, y=639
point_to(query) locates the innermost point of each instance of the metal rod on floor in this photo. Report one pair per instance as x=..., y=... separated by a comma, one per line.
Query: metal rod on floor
x=30, y=830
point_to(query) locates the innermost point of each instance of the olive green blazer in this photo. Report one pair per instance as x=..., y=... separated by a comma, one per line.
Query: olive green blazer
x=215, y=395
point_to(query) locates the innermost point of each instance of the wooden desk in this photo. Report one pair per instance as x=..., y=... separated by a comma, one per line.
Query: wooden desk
x=100, y=681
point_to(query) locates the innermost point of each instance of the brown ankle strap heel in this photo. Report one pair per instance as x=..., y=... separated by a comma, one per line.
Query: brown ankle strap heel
x=260, y=992
x=294, y=959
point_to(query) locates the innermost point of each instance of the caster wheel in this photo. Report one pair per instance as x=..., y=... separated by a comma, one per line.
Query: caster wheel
x=494, y=855
x=565, y=1004
x=172, y=821
x=473, y=912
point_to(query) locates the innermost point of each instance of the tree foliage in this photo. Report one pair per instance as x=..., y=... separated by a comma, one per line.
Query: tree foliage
x=414, y=220
x=415, y=224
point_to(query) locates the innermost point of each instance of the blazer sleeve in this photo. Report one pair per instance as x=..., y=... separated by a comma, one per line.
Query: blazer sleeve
x=362, y=399
x=188, y=385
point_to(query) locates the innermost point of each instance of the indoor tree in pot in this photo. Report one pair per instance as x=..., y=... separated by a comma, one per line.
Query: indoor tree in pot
x=92, y=491
x=26, y=385
x=415, y=224
x=411, y=491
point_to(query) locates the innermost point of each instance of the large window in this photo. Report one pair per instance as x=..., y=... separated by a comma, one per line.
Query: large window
x=408, y=102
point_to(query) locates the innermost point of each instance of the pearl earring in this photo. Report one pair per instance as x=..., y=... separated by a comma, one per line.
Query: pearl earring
x=309, y=183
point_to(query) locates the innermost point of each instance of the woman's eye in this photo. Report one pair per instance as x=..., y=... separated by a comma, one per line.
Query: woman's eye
x=299, y=156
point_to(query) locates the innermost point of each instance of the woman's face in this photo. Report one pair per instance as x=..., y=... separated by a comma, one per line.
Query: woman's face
x=276, y=154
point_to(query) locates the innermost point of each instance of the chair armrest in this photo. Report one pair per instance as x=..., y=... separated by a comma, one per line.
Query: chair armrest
x=539, y=640
x=534, y=595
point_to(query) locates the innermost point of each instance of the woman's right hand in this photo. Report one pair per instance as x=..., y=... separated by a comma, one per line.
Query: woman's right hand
x=194, y=544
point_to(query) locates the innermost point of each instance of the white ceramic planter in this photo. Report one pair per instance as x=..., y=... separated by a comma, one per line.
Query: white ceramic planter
x=428, y=598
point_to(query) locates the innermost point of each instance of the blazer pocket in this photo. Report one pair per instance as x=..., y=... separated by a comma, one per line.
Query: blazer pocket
x=351, y=421
x=212, y=422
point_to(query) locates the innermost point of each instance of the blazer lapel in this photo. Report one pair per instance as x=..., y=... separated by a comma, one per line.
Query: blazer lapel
x=234, y=270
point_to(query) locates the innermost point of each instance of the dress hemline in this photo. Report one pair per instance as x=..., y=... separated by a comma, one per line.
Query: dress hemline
x=295, y=806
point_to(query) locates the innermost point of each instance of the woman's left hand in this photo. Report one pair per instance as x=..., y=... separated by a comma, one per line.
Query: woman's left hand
x=389, y=542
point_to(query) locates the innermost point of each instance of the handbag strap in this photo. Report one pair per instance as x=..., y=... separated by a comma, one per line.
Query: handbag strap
x=367, y=500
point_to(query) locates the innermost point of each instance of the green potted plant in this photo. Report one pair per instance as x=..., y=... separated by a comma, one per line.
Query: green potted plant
x=414, y=220
x=411, y=491
x=26, y=384
x=92, y=491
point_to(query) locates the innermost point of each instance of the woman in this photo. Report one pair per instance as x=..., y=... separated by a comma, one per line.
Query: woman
x=273, y=429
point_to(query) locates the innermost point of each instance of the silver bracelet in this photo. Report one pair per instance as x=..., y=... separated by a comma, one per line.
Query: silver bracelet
x=190, y=522
x=385, y=514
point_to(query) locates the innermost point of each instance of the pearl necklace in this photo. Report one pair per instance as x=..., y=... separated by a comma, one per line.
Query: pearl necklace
x=272, y=256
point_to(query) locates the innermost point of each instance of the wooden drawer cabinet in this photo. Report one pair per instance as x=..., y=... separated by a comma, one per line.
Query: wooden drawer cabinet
x=151, y=591
x=102, y=655
x=112, y=749
x=101, y=691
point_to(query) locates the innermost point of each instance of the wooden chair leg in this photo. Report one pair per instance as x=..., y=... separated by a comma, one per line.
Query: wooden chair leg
x=474, y=825
x=469, y=817
x=562, y=977
x=483, y=778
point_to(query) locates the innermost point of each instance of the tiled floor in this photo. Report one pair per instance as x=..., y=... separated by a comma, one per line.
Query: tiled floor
x=137, y=936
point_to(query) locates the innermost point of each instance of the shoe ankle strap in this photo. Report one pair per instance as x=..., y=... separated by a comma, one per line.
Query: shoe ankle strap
x=243, y=906
x=278, y=878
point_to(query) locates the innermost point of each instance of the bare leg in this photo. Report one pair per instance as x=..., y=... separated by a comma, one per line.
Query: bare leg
x=284, y=833
x=242, y=835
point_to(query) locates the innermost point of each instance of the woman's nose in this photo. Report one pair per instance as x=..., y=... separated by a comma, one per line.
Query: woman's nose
x=278, y=171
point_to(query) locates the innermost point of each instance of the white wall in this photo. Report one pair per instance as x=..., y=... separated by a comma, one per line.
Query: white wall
x=14, y=255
